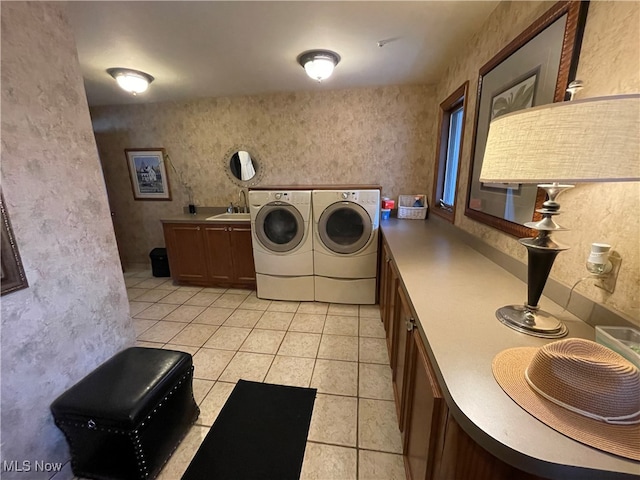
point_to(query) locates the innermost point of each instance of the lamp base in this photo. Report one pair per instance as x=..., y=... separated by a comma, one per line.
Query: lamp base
x=531, y=321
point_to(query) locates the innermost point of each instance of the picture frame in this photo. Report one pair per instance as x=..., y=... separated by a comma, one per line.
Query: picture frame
x=12, y=276
x=543, y=57
x=148, y=173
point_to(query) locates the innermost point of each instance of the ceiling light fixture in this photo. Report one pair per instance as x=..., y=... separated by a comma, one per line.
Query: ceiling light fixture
x=319, y=64
x=132, y=81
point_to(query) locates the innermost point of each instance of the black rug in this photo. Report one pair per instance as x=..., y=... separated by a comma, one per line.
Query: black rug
x=260, y=433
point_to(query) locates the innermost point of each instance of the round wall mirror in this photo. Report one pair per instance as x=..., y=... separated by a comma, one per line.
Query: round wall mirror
x=243, y=166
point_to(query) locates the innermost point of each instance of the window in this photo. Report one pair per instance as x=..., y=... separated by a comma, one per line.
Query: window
x=451, y=128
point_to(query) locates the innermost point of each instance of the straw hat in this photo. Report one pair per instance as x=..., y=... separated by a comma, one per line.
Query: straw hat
x=579, y=388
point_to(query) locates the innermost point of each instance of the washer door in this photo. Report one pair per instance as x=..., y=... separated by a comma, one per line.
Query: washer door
x=279, y=227
x=344, y=227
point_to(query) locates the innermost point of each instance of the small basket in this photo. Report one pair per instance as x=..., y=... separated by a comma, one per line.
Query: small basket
x=406, y=207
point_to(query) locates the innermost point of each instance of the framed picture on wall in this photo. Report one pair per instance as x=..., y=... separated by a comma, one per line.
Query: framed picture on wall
x=148, y=173
x=13, y=276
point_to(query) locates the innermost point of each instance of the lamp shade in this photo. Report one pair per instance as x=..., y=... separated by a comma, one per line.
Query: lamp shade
x=319, y=64
x=591, y=140
x=132, y=81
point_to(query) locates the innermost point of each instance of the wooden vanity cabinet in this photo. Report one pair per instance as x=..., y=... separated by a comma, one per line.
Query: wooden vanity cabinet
x=387, y=294
x=210, y=254
x=186, y=253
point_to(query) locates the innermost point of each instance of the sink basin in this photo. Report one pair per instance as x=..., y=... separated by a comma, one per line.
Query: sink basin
x=231, y=217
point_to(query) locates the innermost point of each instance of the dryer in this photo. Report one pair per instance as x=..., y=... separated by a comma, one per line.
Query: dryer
x=281, y=230
x=345, y=245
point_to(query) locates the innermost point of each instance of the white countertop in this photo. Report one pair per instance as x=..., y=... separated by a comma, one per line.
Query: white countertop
x=454, y=292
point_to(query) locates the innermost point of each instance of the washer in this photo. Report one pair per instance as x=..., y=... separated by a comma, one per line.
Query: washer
x=345, y=245
x=281, y=230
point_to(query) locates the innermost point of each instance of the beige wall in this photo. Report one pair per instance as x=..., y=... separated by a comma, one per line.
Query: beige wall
x=363, y=136
x=609, y=64
x=383, y=136
x=75, y=314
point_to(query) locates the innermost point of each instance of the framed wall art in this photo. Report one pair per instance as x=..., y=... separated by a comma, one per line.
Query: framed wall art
x=534, y=69
x=148, y=173
x=12, y=273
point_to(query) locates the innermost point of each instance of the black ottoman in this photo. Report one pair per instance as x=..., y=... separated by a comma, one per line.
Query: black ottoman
x=125, y=419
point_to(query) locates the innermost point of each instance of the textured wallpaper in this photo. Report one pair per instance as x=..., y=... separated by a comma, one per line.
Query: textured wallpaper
x=609, y=64
x=75, y=314
x=373, y=136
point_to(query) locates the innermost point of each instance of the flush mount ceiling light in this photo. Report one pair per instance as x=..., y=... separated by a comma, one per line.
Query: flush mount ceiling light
x=132, y=81
x=319, y=64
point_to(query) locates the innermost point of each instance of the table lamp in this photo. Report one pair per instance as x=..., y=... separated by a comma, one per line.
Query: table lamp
x=590, y=140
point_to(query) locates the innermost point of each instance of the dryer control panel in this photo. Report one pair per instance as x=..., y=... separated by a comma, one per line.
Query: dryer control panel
x=363, y=197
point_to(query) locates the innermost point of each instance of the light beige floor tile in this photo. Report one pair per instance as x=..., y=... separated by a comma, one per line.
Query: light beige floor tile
x=243, y=318
x=228, y=300
x=181, y=348
x=209, y=363
x=152, y=295
x=379, y=465
x=374, y=381
x=214, y=316
x=161, y=332
x=219, y=290
x=378, y=426
x=213, y=402
x=194, y=335
x=201, y=388
x=142, y=343
x=152, y=282
x=168, y=285
x=263, y=341
x=184, y=313
x=203, y=299
x=140, y=325
x=370, y=311
x=308, y=322
x=240, y=291
x=343, y=309
x=374, y=350
x=371, y=327
x=328, y=462
x=313, y=307
x=177, y=297
x=334, y=420
x=275, y=320
x=339, y=347
x=157, y=311
x=341, y=325
x=228, y=338
x=133, y=292
x=296, y=344
x=335, y=377
x=283, y=306
x=134, y=282
x=189, y=288
x=142, y=272
x=247, y=366
x=183, y=455
x=293, y=371
x=254, y=303
x=137, y=307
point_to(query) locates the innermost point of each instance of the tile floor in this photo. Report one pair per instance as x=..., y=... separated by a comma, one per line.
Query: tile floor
x=338, y=349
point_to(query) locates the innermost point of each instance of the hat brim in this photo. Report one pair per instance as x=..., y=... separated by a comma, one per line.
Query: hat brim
x=509, y=368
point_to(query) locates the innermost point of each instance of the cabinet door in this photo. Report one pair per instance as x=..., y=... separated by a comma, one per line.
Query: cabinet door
x=383, y=289
x=244, y=271
x=401, y=320
x=424, y=411
x=217, y=248
x=185, y=249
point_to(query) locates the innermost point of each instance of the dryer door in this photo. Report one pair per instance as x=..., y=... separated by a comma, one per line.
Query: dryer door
x=279, y=227
x=345, y=227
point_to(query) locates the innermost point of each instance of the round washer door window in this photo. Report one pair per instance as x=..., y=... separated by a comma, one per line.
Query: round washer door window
x=345, y=227
x=279, y=227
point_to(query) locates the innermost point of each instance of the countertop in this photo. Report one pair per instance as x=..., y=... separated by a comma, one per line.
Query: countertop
x=454, y=291
x=199, y=217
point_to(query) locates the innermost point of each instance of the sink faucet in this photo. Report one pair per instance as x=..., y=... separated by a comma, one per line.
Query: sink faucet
x=230, y=208
x=243, y=196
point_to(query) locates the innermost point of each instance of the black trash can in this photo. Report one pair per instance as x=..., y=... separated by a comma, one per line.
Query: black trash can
x=159, y=262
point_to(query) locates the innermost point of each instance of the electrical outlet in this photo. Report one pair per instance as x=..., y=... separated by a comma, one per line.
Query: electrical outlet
x=608, y=281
